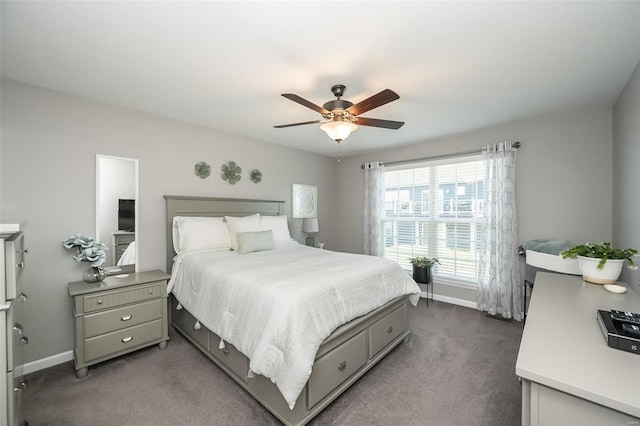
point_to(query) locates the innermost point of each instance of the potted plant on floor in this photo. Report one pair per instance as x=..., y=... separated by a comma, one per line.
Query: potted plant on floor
x=600, y=263
x=422, y=268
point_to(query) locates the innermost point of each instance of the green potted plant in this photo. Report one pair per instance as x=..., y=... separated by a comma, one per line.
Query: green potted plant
x=600, y=263
x=422, y=268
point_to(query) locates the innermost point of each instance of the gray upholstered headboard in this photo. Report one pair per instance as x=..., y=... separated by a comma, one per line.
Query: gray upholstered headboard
x=213, y=207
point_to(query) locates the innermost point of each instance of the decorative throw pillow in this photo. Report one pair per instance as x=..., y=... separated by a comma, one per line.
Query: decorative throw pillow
x=250, y=223
x=249, y=242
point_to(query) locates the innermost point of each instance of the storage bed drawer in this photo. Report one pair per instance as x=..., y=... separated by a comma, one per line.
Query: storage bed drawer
x=102, y=301
x=336, y=366
x=117, y=319
x=386, y=330
x=184, y=321
x=118, y=341
x=230, y=357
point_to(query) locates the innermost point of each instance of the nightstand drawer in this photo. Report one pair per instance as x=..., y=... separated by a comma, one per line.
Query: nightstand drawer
x=336, y=366
x=117, y=319
x=122, y=340
x=386, y=330
x=125, y=239
x=123, y=297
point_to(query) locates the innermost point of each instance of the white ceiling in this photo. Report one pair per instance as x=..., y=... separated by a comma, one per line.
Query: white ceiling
x=457, y=66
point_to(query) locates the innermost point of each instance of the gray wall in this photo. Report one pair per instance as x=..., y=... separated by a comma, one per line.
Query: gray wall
x=564, y=178
x=626, y=171
x=48, y=153
x=47, y=175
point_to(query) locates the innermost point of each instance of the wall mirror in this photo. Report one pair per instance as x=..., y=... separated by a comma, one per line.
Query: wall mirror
x=116, y=211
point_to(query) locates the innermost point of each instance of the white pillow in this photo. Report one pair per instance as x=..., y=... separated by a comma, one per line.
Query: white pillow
x=249, y=242
x=242, y=224
x=200, y=233
x=279, y=226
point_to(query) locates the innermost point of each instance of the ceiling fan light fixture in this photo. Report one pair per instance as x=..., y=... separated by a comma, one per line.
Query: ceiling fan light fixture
x=339, y=130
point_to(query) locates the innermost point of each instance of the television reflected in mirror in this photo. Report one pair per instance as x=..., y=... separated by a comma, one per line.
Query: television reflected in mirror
x=126, y=215
x=116, y=206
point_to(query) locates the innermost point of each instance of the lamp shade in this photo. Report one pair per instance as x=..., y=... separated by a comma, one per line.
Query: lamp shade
x=338, y=130
x=310, y=225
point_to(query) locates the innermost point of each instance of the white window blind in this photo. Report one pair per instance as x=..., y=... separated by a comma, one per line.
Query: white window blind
x=435, y=209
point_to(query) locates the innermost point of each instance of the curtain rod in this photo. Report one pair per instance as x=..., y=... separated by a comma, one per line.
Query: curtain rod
x=438, y=157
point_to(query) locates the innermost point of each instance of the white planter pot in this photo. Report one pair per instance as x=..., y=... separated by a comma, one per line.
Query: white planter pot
x=607, y=275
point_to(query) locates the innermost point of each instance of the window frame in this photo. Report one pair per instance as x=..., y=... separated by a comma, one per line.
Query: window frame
x=433, y=216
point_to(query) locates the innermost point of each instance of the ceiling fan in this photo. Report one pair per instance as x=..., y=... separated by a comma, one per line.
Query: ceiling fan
x=341, y=117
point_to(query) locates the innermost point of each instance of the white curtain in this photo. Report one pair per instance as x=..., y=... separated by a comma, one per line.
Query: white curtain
x=499, y=287
x=373, y=208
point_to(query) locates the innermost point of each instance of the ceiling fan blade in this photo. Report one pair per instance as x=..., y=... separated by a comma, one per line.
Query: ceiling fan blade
x=303, y=101
x=374, y=101
x=296, y=124
x=374, y=122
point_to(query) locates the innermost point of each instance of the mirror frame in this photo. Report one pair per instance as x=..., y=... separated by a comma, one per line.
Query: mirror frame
x=137, y=202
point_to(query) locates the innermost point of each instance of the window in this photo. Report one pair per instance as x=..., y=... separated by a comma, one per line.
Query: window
x=435, y=209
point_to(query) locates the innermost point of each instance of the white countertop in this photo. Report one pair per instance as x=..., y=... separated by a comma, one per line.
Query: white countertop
x=563, y=347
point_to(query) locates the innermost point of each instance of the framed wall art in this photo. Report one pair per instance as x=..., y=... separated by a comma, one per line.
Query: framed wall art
x=305, y=201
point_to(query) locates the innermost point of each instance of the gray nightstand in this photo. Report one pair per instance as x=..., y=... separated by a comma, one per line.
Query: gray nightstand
x=117, y=316
x=121, y=240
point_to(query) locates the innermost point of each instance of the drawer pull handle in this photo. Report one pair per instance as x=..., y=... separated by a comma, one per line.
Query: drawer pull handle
x=126, y=318
x=20, y=265
x=23, y=297
x=24, y=340
x=390, y=329
x=99, y=301
x=25, y=251
x=127, y=339
x=225, y=351
x=150, y=291
x=20, y=386
x=342, y=365
x=17, y=329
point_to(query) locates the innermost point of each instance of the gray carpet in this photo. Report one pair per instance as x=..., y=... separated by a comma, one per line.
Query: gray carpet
x=457, y=369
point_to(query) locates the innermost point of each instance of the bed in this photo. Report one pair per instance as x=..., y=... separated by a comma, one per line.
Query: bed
x=295, y=368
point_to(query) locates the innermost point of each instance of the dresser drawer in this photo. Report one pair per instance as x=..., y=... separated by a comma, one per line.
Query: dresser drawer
x=13, y=265
x=335, y=367
x=117, y=319
x=122, y=340
x=386, y=330
x=231, y=358
x=124, y=239
x=104, y=300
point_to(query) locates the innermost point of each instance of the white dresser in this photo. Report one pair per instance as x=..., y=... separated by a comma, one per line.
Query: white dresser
x=569, y=374
x=12, y=336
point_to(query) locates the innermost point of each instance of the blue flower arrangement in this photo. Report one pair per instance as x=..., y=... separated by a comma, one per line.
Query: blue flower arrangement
x=88, y=249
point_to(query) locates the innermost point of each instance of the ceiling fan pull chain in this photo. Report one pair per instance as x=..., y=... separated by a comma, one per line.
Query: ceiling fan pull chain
x=339, y=152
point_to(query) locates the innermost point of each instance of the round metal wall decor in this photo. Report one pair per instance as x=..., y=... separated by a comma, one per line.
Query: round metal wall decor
x=202, y=170
x=231, y=172
x=256, y=176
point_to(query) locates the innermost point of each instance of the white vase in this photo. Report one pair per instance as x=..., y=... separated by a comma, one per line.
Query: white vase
x=607, y=275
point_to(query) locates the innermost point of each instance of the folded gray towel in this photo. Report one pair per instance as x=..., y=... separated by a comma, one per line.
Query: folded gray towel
x=549, y=246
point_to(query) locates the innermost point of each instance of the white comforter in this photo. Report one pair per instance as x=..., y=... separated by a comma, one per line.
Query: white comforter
x=277, y=306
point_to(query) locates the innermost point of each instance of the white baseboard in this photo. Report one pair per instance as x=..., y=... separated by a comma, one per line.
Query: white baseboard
x=452, y=300
x=50, y=361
